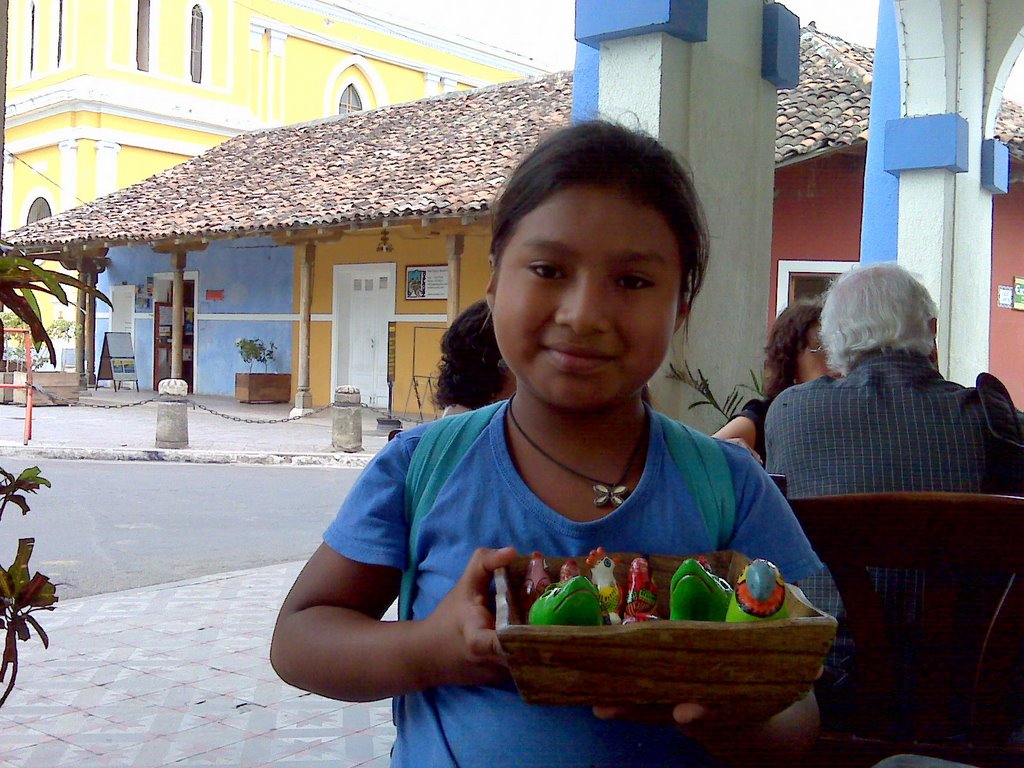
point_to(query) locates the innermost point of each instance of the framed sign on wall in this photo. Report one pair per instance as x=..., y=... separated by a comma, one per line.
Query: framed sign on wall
x=426, y=282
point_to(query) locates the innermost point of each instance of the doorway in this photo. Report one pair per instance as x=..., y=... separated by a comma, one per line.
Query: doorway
x=364, y=302
x=163, y=318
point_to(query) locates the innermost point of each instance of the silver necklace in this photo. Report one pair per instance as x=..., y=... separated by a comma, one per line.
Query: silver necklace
x=604, y=493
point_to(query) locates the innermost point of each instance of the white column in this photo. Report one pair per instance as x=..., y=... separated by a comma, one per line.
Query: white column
x=945, y=219
x=106, y=167
x=68, y=174
x=448, y=84
x=431, y=83
x=7, y=209
x=708, y=102
x=275, y=77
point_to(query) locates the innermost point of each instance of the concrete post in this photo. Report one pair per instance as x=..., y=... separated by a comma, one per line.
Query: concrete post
x=172, y=414
x=347, y=420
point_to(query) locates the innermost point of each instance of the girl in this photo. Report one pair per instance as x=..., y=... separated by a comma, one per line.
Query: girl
x=598, y=252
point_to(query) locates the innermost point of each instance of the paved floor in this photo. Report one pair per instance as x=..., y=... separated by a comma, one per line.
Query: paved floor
x=178, y=674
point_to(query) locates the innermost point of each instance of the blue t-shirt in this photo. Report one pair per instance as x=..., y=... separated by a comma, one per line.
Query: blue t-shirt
x=486, y=503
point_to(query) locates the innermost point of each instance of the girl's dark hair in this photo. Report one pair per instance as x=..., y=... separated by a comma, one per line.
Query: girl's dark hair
x=786, y=340
x=471, y=374
x=602, y=154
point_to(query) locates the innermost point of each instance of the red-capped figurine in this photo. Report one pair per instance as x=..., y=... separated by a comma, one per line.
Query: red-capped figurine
x=536, y=581
x=568, y=570
x=641, y=591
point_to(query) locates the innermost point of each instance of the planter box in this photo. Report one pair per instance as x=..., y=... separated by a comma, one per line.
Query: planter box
x=63, y=386
x=263, y=387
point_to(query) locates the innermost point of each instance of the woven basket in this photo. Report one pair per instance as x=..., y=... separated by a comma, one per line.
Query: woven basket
x=750, y=670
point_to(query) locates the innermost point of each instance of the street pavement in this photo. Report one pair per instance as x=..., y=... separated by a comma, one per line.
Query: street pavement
x=178, y=674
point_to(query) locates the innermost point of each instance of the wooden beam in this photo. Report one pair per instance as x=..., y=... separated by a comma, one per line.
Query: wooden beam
x=304, y=236
x=179, y=245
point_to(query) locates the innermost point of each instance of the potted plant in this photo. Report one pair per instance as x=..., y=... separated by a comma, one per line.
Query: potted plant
x=262, y=387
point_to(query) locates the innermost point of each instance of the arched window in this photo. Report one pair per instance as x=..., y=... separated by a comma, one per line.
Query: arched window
x=349, y=101
x=142, y=36
x=32, y=38
x=40, y=209
x=196, y=52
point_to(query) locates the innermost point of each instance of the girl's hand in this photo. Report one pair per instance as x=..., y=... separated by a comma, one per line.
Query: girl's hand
x=461, y=630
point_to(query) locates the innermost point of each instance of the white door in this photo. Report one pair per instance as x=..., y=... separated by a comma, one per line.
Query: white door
x=364, y=303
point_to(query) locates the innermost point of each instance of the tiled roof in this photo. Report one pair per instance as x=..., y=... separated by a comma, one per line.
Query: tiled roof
x=829, y=107
x=441, y=155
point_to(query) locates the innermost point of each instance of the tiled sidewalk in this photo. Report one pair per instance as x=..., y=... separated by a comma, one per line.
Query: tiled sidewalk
x=178, y=674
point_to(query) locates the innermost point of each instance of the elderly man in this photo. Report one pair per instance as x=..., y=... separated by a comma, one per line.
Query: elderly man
x=892, y=423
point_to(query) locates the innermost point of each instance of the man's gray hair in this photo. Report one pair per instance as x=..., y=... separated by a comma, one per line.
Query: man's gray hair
x=876, y=308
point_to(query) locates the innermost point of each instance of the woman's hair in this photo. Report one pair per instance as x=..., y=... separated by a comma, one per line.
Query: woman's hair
x=472, y=373
x=877, y=308
x=605, y=155
x=786, y=340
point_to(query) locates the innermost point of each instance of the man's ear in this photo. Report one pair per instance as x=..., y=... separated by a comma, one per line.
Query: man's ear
x=933, y=326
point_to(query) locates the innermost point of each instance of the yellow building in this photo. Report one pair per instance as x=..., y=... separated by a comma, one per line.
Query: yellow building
x=104, y=93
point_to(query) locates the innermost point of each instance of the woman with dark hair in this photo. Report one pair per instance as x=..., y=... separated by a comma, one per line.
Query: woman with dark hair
x=472, y=373
x=793, y=355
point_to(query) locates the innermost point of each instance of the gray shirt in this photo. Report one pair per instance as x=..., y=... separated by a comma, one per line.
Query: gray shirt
x=893, y=424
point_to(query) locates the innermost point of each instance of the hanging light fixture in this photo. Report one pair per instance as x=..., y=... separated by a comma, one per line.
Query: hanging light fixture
x=384, y=246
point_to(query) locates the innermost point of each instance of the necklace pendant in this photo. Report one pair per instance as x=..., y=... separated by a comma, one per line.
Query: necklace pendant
x=605, y=495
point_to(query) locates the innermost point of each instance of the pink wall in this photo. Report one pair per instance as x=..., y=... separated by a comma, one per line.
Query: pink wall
x=818, y=206
x=1006, y=343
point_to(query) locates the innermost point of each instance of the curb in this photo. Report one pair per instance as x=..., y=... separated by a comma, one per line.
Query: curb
x=185, y=456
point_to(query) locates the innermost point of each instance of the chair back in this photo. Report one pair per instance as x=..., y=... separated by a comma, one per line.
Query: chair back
x=954, y=687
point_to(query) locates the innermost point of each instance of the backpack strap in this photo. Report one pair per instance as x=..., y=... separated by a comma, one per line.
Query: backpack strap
x=706, y=472
x=441, y=447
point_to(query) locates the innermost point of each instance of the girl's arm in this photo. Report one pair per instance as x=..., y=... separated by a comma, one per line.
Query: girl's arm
x=329, y=638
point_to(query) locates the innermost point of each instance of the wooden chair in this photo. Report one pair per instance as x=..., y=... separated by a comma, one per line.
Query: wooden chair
x=965, y=698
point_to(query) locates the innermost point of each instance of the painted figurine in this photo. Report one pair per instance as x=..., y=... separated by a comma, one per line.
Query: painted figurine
x=760, y=594
x=697, y=594
x=536, y=581
x=641, y=591
x=568, y=570
x=574, y=603
x=602, y=573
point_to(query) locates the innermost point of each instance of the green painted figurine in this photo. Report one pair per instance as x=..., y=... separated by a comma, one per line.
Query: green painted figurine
x=574, y=602
x=697, y=594
x=760, y=594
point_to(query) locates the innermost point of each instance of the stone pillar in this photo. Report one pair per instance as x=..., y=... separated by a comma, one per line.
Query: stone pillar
x=303, y=397
x=455, y=245
x=177, y=314
x=172, y=414
x=347, y=420
x=701, y=76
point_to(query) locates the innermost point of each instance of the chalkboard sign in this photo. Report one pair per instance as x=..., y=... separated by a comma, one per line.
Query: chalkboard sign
x=117, y=360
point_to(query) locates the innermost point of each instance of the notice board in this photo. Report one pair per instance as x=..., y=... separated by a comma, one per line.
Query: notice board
x=117, y=360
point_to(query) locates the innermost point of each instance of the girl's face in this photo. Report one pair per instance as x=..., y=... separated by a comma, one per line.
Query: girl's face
x=585, y=298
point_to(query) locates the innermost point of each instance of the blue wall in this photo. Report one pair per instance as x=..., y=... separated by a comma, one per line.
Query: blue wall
x=880, y=225
x=256, y=278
